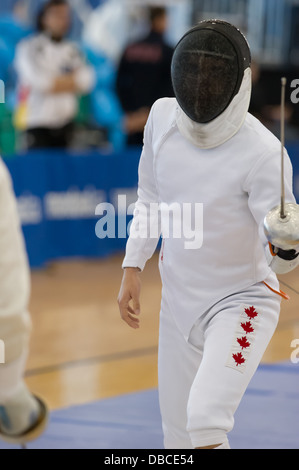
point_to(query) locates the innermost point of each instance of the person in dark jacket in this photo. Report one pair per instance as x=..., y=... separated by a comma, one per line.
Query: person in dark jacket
x=144, y=75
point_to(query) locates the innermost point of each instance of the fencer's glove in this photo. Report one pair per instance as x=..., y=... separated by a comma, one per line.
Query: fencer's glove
x=281, y=261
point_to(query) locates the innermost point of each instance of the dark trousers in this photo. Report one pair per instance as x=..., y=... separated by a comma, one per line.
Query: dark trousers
x=42, y=137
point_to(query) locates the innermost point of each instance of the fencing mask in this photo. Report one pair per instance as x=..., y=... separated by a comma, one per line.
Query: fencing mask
x=210, y=70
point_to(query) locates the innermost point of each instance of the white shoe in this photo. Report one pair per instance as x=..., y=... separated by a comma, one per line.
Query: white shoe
x=23, y=417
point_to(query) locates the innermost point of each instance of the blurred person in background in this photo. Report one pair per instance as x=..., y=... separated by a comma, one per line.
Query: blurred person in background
x=144, y=75
x=52, y=74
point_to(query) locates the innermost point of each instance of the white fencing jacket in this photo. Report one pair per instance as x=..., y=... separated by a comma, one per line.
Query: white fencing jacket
x=237, y=182
x=39, y=61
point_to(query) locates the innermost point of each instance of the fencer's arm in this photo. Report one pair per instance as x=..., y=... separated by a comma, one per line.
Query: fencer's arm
x=264, y=187
x=142, y=242
x=145, y=229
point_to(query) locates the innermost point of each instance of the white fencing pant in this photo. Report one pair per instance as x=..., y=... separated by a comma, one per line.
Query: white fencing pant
x=15, y=322
x=202, y=380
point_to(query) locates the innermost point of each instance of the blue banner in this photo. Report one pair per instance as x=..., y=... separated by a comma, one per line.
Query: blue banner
x=58, y=193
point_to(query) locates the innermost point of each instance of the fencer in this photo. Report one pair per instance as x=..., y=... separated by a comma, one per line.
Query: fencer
x=220, y=302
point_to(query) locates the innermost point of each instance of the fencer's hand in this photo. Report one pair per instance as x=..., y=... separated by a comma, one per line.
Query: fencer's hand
x=281, y=261
x=128, y=297
x=287, y=254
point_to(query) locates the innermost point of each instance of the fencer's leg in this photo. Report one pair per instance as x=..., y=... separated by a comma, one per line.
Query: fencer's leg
x=21, y=414
x=177, y=367
x=235, y=342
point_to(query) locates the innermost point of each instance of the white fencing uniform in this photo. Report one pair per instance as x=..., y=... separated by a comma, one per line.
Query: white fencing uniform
x=209, y=346
x=39, y=61
x=20, y=411
x=15, y=323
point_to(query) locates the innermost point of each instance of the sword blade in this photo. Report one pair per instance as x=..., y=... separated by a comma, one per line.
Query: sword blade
x=282, y=132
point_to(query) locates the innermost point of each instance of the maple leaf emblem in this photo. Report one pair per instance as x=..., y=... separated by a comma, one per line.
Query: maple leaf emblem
x=247, y=327
x=251, y=312
x=239, y=359
x=243, y=342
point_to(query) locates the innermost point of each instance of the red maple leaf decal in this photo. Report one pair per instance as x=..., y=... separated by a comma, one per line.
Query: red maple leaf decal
x=243, y=342
x=251, y=312
x=247, y=327
x=239, y=359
